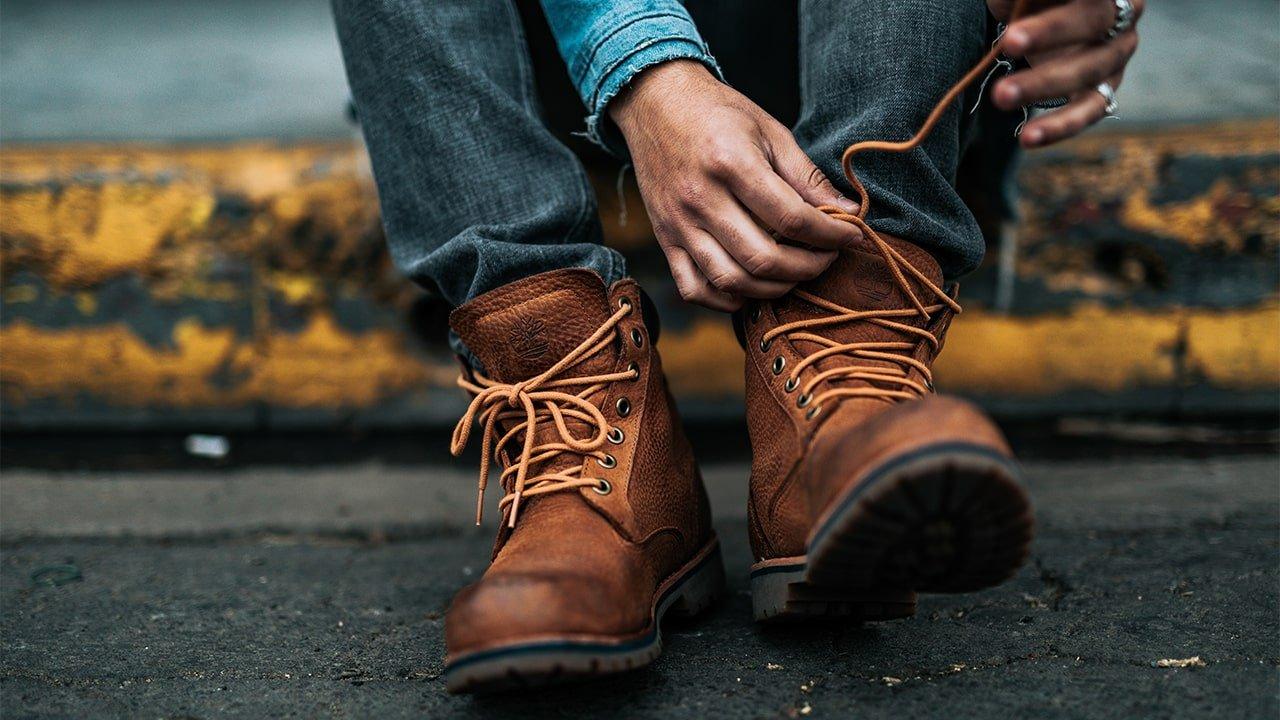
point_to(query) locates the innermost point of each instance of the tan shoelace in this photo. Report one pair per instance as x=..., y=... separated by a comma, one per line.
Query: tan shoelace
x=526, y=404
x=886, y=382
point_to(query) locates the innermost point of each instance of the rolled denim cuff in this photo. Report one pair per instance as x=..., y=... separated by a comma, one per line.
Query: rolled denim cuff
x=638, y=43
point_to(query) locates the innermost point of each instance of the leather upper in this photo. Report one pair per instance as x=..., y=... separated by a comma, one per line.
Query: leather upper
x=805, y=454
x=581, y=561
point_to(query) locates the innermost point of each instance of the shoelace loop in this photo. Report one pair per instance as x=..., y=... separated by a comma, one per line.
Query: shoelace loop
x=521, y=406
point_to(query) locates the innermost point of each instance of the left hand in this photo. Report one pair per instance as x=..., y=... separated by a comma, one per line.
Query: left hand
x=1065, y=42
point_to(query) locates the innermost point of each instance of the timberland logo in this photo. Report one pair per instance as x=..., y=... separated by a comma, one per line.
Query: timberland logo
x=877, y=282
x=526, y=339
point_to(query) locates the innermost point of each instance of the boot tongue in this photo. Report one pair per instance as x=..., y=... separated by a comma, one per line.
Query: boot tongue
x=522, y=329
x=861, y=279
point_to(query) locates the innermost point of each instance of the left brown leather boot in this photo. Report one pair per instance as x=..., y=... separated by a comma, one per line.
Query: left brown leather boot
x=605, y=523
x=866, y=486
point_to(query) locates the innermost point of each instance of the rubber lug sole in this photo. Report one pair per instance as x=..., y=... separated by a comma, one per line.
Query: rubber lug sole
x=690, y=591
x=947, y=518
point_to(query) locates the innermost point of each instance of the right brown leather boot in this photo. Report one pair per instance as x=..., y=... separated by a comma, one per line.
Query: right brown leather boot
x=866, y=487
x=605, y=523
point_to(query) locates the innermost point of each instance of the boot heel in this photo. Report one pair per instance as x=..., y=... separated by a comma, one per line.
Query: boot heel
x=779, y=592
x=701, y=588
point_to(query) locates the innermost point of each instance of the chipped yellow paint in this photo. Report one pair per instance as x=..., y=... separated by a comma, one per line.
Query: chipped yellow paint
x=703, y=360
x=296, y=288
x=1238, y=349
x=85, y=233
x=21, y=294
x=1121, y=168
x=321, y=366
x=152, y=211
x=1206, y=218
x=1089, y=348
x=86, y=303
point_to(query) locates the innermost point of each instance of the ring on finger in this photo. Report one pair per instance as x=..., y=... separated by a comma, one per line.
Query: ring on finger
x=1124, y=18
x=1108, y=94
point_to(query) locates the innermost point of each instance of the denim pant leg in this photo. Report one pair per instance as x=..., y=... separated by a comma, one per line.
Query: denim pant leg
x=872, y=70
x=475, y=191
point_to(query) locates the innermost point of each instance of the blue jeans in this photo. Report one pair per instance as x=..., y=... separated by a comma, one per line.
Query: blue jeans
x=477, y=191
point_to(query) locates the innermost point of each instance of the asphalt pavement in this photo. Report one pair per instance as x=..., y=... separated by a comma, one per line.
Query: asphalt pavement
x=321, y=591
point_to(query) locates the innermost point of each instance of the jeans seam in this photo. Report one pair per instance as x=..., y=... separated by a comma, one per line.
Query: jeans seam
x=522, y=57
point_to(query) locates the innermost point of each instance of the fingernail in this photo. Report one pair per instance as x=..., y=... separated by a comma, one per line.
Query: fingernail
x=1016, y=40
x=1010, y=94
x=1034, y=136
x=846, y=205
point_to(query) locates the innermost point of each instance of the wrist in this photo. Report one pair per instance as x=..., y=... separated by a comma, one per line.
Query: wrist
x=655, y=86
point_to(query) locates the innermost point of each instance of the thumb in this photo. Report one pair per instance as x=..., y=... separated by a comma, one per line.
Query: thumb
x=798, y=170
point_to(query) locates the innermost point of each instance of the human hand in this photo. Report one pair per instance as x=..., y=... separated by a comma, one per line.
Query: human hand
x=1066, y=44
x=712, y=167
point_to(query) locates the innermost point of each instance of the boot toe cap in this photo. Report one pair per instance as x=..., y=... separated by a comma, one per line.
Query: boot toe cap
x=515, y=608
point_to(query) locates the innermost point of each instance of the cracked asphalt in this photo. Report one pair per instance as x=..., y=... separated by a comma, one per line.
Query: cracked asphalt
x=306, y=592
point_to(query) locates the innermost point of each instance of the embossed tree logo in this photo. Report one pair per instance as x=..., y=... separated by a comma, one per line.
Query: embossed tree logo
x=526, y=338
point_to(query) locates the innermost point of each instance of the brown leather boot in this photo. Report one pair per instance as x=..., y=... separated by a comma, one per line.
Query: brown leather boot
x=866, y=486
x=605, y=524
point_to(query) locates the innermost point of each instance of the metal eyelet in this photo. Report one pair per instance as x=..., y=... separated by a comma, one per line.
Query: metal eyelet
x=803, y=400
x=624, y=407
x=791, y=384
x=624, y=302
x=755, y=314
x=608, y=461
x=778, y=364
x=635, y=368
x=813, y=412
x=636, y=337
x=616, y=436
x=604, y=488
x=929, y=384
x=764, y=345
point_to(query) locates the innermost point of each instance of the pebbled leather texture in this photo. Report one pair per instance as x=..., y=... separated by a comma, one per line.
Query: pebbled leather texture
x=579, y=562
x=800, y=463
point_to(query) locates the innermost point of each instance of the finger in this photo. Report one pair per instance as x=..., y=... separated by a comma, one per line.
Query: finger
x=761, y=255
x=799, y=172
x=693, y=286
x=1086, y=108
x=724, y=273
x=1073, y=23
x=784, y=211
x=1066, y=74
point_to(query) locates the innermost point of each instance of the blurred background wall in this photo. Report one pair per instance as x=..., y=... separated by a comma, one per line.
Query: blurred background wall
x=189, y=237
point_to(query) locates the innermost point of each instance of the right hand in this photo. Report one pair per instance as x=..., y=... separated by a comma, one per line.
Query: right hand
x=707, y=159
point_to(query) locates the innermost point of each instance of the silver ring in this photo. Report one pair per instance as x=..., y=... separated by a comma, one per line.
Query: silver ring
x=1124, y=18
x=1108, y=94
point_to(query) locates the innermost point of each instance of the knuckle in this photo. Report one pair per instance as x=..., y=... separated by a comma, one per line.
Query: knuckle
x=727, y=281
x=790, y=224
x=760, y=264
x=691, y=194
x=815, y=178
x=720, y=160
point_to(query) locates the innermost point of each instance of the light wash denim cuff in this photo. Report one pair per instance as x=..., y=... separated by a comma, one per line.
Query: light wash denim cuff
x=636, y=44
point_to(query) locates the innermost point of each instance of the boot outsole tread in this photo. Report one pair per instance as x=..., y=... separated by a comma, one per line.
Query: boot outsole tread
x=949, y=518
